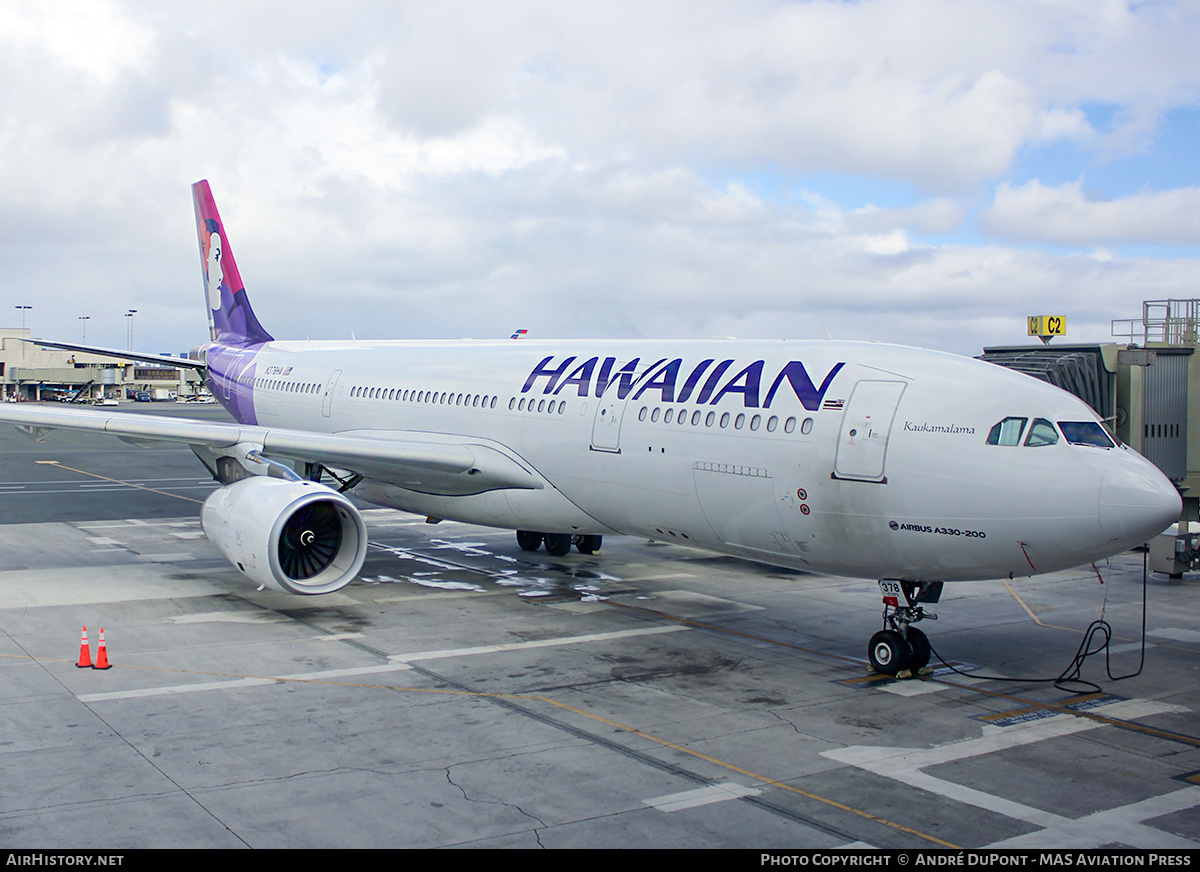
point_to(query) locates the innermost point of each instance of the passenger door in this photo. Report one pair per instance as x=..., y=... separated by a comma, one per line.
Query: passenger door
x=866, y=426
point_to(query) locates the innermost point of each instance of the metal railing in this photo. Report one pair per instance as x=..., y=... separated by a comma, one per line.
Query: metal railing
x=1168, y=322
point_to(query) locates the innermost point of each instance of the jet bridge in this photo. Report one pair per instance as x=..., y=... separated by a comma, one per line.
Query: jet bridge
x=1087, y=371
x=1147, y=387
x=1142, y=393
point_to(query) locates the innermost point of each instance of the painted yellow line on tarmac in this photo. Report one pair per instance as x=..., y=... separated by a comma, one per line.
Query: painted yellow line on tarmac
x=55, y=463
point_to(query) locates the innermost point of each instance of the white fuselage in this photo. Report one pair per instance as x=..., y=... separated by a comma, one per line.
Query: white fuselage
x=852, y=458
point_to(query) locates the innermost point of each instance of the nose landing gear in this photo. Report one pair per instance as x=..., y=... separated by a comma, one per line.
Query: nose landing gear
x=901, y=649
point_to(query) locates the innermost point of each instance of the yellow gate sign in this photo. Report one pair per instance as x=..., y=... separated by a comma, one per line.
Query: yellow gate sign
x=1047, y=326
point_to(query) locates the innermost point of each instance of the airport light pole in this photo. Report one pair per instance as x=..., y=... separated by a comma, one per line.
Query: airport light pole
x=23, y=309
x=130, y=315
x=85, y=319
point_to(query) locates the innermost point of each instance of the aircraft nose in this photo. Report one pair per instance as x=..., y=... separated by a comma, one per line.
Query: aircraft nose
x=1137, y=502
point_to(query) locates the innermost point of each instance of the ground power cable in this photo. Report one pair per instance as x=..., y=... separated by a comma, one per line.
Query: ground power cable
x=1100, y=627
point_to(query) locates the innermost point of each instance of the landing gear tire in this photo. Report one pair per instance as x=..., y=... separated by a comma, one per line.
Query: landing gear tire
x=889, y=653
x=529, y=541
x=588, y=544
x=921, y=652
x=557, y=544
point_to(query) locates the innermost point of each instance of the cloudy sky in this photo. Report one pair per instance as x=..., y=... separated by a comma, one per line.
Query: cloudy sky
x=919, y=171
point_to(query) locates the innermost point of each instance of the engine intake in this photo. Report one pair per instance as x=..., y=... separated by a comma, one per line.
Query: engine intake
x=297, y=537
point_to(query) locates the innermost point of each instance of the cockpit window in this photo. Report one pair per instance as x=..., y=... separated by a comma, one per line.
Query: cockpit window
x=1007, y=432
x=1085, y=433
x=1042, y=432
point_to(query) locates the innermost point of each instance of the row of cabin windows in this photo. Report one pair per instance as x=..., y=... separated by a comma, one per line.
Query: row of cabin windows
x=287, y=386
x=1042, y=432
x=524, y=405
x=551, y=407
x=477, y=401
x=755, y=421
x=441, y=398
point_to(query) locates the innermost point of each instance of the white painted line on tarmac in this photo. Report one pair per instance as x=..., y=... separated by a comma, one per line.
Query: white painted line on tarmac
x=238, y=683
x=399, y=662
x=905, y=764
x=702, y=796
x=1116, y=826
x=172, y=690
x=913, y=687
x=257, y=616
x=523, y=646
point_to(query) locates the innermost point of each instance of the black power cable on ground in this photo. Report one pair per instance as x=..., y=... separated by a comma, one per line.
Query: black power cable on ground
x=1073, y=673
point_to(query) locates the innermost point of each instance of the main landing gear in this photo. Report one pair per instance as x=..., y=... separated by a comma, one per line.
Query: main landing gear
x=557, y=544
x=902, y=649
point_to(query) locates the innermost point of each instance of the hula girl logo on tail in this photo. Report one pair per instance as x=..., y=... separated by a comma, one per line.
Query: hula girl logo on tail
x=230, y=318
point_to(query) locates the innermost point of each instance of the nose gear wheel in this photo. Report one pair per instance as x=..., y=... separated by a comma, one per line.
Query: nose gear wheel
x=902, y=646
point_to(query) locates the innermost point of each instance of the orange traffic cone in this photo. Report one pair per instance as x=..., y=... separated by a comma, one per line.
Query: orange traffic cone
x=85, y=653
x=102, y=654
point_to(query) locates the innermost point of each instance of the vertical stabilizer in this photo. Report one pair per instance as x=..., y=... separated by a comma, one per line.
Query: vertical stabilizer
x=231, y=321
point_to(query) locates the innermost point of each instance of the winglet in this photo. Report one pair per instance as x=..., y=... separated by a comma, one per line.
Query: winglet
x=230, y=319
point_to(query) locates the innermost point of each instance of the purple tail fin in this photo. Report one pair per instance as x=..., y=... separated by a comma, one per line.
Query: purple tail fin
x=231, y=321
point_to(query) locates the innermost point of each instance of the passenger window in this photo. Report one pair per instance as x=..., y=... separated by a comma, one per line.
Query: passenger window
x=1085, y=433
x=1041, y=433
x=1007, y=432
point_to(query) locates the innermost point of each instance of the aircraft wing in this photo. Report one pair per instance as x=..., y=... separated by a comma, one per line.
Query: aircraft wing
x=166, y=359
x=420, y=464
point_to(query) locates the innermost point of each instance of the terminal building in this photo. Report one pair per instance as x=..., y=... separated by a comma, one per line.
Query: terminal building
x=30, y=373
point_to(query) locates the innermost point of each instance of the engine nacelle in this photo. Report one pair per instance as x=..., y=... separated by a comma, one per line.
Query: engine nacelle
x=292, y=536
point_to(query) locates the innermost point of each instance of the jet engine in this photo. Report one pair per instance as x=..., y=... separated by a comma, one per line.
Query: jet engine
x=292, y=536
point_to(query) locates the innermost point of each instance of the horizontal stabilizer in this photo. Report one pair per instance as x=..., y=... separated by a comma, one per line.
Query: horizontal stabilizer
x=165, y=359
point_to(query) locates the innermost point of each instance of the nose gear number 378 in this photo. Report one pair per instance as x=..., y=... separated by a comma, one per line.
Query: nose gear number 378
x=893, y=594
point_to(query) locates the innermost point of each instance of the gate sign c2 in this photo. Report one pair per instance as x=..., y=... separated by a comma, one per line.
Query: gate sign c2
x=1047, y=325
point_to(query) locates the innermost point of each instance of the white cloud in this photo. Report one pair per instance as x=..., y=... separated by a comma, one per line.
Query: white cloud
x=940, y=215
x=460, y=168
x=94, y=38
x=1065, y=214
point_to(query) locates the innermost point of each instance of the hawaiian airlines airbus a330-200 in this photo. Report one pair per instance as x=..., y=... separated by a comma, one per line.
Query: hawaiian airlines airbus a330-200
x=909, y=466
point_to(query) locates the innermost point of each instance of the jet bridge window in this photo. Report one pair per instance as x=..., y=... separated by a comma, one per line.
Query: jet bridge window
x=1085, y=433
x=1007, y=432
